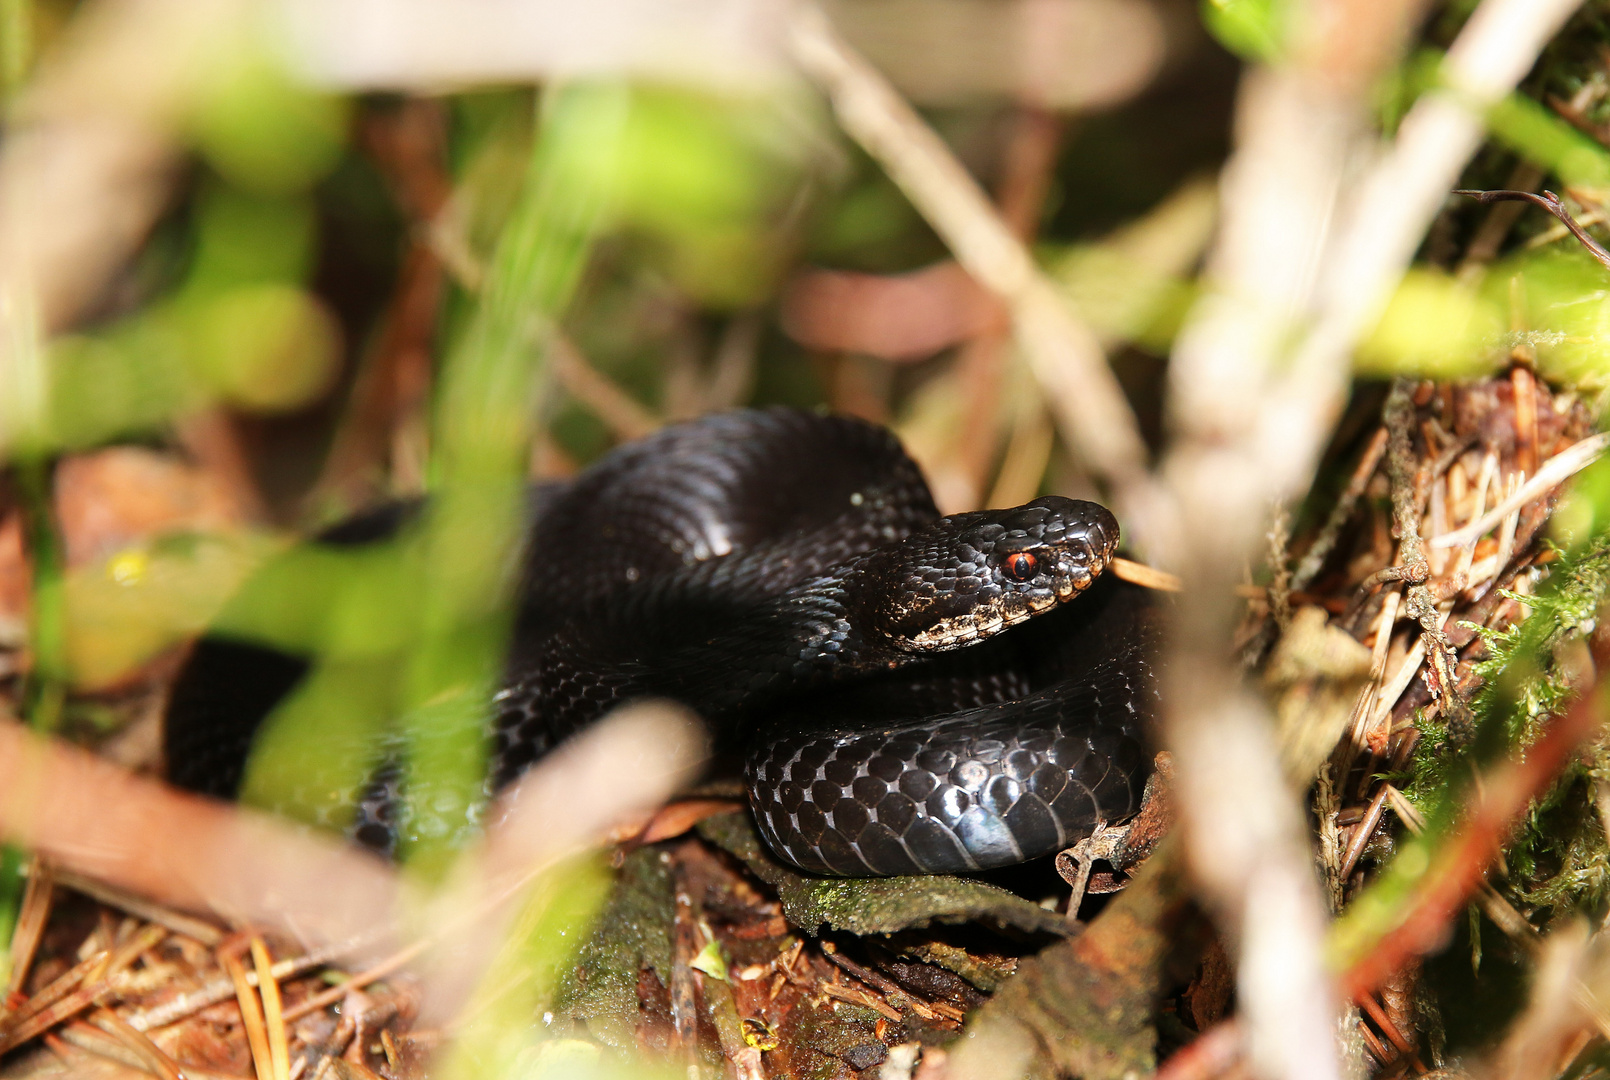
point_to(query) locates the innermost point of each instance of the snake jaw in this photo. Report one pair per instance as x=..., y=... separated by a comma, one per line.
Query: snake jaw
x=1069, y=585
x=1075, y=576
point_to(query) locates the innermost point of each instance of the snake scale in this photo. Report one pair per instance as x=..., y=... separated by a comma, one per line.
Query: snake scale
x=906, y=693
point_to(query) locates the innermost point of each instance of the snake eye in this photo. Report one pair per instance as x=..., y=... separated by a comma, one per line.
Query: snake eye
x=1020, y=565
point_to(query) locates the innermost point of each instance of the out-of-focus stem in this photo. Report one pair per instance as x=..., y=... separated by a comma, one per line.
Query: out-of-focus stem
x=482, y=437
x=45, y=688
x=16, y=45
x=1301, y=268
x=1062, y=351
x=1030, y=159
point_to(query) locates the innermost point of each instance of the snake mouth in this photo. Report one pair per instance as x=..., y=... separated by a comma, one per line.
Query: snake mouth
x=1071, y=581
x=960, y=630
x=1079, y=568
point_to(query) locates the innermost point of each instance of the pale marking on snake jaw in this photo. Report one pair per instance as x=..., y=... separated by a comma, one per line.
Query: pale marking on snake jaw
x=957, y=631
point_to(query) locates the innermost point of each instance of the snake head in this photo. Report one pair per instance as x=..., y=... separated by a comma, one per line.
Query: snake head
x=967, y=577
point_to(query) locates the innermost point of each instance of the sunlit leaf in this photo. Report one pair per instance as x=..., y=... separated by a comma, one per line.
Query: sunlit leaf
x=1549, y=141
x=259, y=127
x=1560, y=295
x=267, y=348
x=1434, y=326
x=334, y=601
x=125, y=610
x=1252, y=29
x=314, y=761
x=1585, y=510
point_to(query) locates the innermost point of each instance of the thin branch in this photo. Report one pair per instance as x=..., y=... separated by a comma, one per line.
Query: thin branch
x=1146, y=576
x=1063, y=352
x=1320, y=549
x=623, y=414
x=1558, y=469
x=1550, y=202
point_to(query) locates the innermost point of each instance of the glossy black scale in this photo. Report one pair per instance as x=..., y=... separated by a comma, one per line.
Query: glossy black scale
x=787, y=575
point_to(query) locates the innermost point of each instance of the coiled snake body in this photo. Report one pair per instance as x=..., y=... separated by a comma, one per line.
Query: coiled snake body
x=909, y=693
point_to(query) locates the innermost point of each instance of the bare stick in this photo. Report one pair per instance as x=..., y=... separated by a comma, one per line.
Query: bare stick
x=1550, y=202
x=1148, y=576
x=1320, y=550
x=1558, y=469
x=1063, y=352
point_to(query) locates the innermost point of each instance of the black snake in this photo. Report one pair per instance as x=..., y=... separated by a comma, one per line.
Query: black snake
x=907, y=693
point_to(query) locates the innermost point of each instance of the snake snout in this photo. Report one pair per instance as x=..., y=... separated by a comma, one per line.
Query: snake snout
x=1089, y=539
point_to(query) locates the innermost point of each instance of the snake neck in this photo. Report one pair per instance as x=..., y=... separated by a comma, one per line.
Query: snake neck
x=731, y=635
x=693, y=637
x=814, y=634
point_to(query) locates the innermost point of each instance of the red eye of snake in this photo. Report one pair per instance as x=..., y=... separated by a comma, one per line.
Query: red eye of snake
x=1020, y=565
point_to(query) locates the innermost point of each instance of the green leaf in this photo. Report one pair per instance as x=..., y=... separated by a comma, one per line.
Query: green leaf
x=1252, y=29
x=711, y=961
x=1435, y=326
x=256, y=125
x=1532, y=130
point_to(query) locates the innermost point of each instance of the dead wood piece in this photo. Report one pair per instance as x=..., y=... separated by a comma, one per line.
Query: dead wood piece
x=1413, y=566
x=1207, y=998
x=1088, y=1006
x=861, y=997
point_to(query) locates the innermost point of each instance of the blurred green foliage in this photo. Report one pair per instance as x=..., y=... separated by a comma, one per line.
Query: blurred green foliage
x=1436, y=326
x=650, y=222
x=443, y=589
x=239, y=327
x=1252, y=29
x=706, y=186
x=1549, y=301
x=1538, y=133
x=16, y=45
x=505, y=1031
x=265, y=131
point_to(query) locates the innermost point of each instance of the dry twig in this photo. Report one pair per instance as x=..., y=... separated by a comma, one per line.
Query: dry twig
x=1064, y=354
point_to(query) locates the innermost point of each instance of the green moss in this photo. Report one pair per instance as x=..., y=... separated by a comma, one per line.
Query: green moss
x=633, y=933
x=1558, y=861
x=876, y=905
